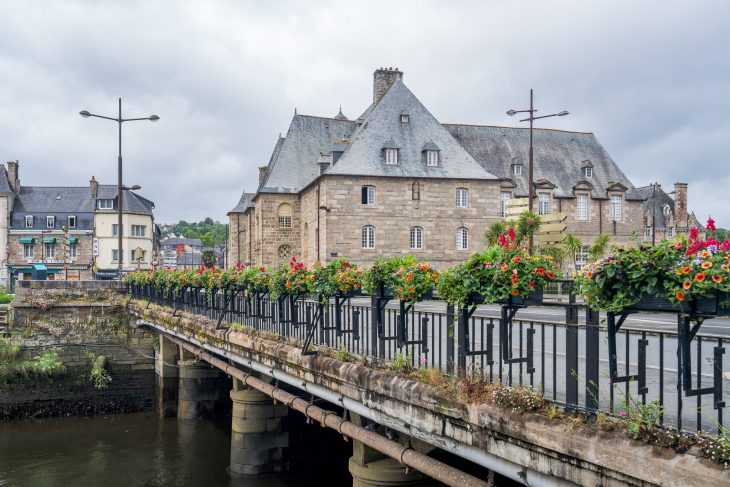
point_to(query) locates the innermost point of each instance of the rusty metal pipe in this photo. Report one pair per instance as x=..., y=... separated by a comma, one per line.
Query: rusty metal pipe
x=405, y=455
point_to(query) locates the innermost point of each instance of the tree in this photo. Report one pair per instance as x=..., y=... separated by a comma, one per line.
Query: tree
x=491, y=236
x=209, y=258
x=599, y=247
x=572, y=245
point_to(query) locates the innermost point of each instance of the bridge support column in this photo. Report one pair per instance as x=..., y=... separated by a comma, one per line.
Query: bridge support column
x=257, y=441
x=371, y=468
x=166, y=377
x=198, y=390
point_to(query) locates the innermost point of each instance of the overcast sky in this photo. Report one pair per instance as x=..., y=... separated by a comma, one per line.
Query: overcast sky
x=650, y=79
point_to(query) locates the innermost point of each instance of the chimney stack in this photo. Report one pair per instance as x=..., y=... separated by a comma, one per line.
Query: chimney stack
x=680, y=205
x=262, y=174
x=383, y=79
x=93, y=187
x=13, y=176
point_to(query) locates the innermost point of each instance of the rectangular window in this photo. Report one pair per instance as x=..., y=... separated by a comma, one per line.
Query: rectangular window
x=416, y=241
x=115, y=229
x=616, y=212
x=581, y=207
x=462, y=239
x=588, y=172
x=50, y=250
x=138, y=230
x=581, y=256
x=71, y=222
x=72, y=251
x=27, y=251
x=391, y=156
x=115, y=255
x=647, y=232
x=368, y=195
x=29, y=221
x=517, y=169
x=50, y=221
x=284, y=222
x=543, y=207
x=368, y=237
x=461, y=197
x=432, y=158
x=106, y=204
x=670, y=232
x=504, y=196
x=133, y=257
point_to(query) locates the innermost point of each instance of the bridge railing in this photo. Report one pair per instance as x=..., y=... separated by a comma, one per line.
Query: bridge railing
x=572, y=361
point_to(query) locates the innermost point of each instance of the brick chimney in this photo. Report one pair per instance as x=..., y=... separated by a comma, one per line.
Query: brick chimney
x=13, y=176
x=262, y=174
x=383, y=79
x=680, y=205
x=93, y=187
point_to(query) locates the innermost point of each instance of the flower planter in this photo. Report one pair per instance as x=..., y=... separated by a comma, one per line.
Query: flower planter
x=707, y=305
x=534, y=298
x=475, y=298
x=385, y=292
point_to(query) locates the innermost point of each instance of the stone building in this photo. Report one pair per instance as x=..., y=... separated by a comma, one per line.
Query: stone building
x=397, y=181
x=666, y=215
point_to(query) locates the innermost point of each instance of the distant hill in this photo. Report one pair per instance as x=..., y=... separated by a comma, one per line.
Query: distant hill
x=208, y=231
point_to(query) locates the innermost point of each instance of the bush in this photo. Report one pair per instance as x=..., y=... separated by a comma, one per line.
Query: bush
x=5, y=298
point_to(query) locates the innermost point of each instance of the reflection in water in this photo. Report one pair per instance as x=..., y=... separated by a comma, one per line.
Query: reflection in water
x=128, y=450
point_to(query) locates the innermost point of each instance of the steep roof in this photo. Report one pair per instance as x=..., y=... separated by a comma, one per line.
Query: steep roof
x=245, y=203
x=195, y=242
x=132, y=202
x=558, y=157
x=382, y=126
x=656, y=200
x=52, y=199
x=293, y=163
x=4, y=183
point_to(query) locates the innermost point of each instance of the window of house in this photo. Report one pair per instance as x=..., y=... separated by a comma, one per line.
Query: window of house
x=462, y=238
x=284, y=214
x=391, y=156
x=670, y=232
x=581, y=207
x=27, y=251
x=587, y=172
x=416, y=241
x=404, y=118
x=368, y=237
x=647, y=232
x=72, y=251
x=543, y=203
x=432, y=158
x=71, y=222
x=106, y=204
x=517, y=169
x=368, y=195
x=284, y=253
x=665, y=209
x=133, y=257
x=29, y=221
x=50, y=250
x=504, y=196
x=461, y=197
x=115, y=254
x=138, y=230
x=115, y=229
x=50, y=221
x=616, y=212
x=581, y=256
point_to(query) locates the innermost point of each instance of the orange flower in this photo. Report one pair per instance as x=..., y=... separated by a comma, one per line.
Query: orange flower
x=700, y=277
x=724, y=267
x=551, y=275
x=514, y=280
x=706, y=265
x=685, y=269
x=589, y=274
x=717, y=279
x=503, y=267
x=679, y=295
x=515, y=292
x=517, y=258
x=704, y=254
x=687, y=284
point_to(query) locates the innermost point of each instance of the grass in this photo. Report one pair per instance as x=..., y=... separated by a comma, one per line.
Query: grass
x=46, y=365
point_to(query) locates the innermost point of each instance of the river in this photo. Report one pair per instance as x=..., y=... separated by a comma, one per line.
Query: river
x=130, y=450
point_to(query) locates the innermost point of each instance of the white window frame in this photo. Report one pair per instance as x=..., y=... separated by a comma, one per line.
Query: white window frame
x=369, y=195
x=670, y=232
x=504, y=196
x=105, y=204
x=136, y=232
x=647, y=232
x=115, y=229
x=543, y=203
x=28, y=221
x=368, y=237
x=391, y=157
x=587, y=172
x=416, y=238
x=284, y=222
x=616, y=208
x=462, y=197
x=71, y=218
x=72, y=251
x=49, y=250
x=581, y=207
x=432, y=158
x=462, y=238
x=50, y=222
x=27, y=251
x=517, y=169
x=666, y=210
x=115, y=255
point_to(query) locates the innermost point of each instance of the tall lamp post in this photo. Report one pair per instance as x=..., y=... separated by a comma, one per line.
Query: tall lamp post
x=120, y=188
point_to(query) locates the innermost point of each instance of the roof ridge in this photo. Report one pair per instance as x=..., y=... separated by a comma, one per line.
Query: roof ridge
x=518, y=128
x=323, y=118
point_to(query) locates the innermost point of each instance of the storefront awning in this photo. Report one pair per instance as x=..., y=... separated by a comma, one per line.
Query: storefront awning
x=49, y=240
x=26, y=240
x=73, y=240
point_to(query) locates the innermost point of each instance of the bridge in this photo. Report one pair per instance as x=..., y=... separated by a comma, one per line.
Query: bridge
x=343, y=365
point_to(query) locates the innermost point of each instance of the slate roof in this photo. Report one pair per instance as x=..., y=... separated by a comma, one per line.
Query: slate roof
x=132, y=202
x=245, y=203
x=655, y=203
x=174, y=241
x=558, y=157
x=51, y=199
x=382, y=127
x=4, y=183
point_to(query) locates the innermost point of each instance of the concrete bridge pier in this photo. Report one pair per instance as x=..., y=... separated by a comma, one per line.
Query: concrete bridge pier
x=166, y=377
x=198, y=387
x=371, y=468
x=257, y=441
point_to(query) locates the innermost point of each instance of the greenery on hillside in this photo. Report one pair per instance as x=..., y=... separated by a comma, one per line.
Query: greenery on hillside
x=208, y=231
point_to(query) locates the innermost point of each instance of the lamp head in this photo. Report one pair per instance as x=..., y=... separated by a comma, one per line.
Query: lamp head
x=135, y=187
x=511, y=112
x=154, y=118
x=563, y=113
x=84, y=113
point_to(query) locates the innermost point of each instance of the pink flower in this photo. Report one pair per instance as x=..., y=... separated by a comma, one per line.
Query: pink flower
x=711, y=224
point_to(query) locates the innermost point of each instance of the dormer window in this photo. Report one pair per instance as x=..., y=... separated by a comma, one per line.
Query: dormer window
x=587, y=172
x=431, y=154
x=517, y=169
x=665, y=210
x=29, y=221
x=391, y=156
x=50, y=222
x=404, y=118
x=107, y=204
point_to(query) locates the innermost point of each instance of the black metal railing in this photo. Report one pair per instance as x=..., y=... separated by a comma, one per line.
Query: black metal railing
x=585, y=366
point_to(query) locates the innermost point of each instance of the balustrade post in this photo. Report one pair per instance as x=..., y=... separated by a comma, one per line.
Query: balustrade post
x=450, y=337
x=462, y=340
x=593, y=340
x=571, y=351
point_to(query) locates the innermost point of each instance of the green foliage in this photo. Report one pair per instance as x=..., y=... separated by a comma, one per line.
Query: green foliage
x=208, y=231
x=209, y=259
x=599, y=247
x=5, y=298
x=45, y=365
x=491, y=235
x=99, y=374
x=156, y=341
x=337, y=277
x=401, y=363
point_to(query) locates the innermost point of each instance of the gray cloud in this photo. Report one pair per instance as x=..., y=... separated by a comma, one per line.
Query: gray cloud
x=651, y=79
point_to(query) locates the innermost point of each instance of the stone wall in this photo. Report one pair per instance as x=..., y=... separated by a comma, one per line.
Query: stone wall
x=79, y=321
x=599, y=220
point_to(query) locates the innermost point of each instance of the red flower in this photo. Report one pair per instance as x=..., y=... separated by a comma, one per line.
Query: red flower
x=693, y=233
x=541, y=271
x=511, y=234
x=551, y=275
x=711, y=224
x=262, y=269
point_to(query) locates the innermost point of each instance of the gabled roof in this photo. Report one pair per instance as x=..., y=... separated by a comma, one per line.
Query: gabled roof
x=132, y=202
x=4, y=183
x=245, y=203
x=51, y=199
x=558, y=157
x=656, y=200
x=382, y=125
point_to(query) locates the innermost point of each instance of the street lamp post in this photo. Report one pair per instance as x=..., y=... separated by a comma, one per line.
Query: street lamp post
x=120, y=188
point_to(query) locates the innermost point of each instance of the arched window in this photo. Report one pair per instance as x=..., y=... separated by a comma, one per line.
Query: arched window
x=284, y=253
x=462, y=238
x=461, y=197
x=284, y=213
x=416, y=242
x=368, y=237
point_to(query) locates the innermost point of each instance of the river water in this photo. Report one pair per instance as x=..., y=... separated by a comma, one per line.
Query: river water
x=129, y=450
